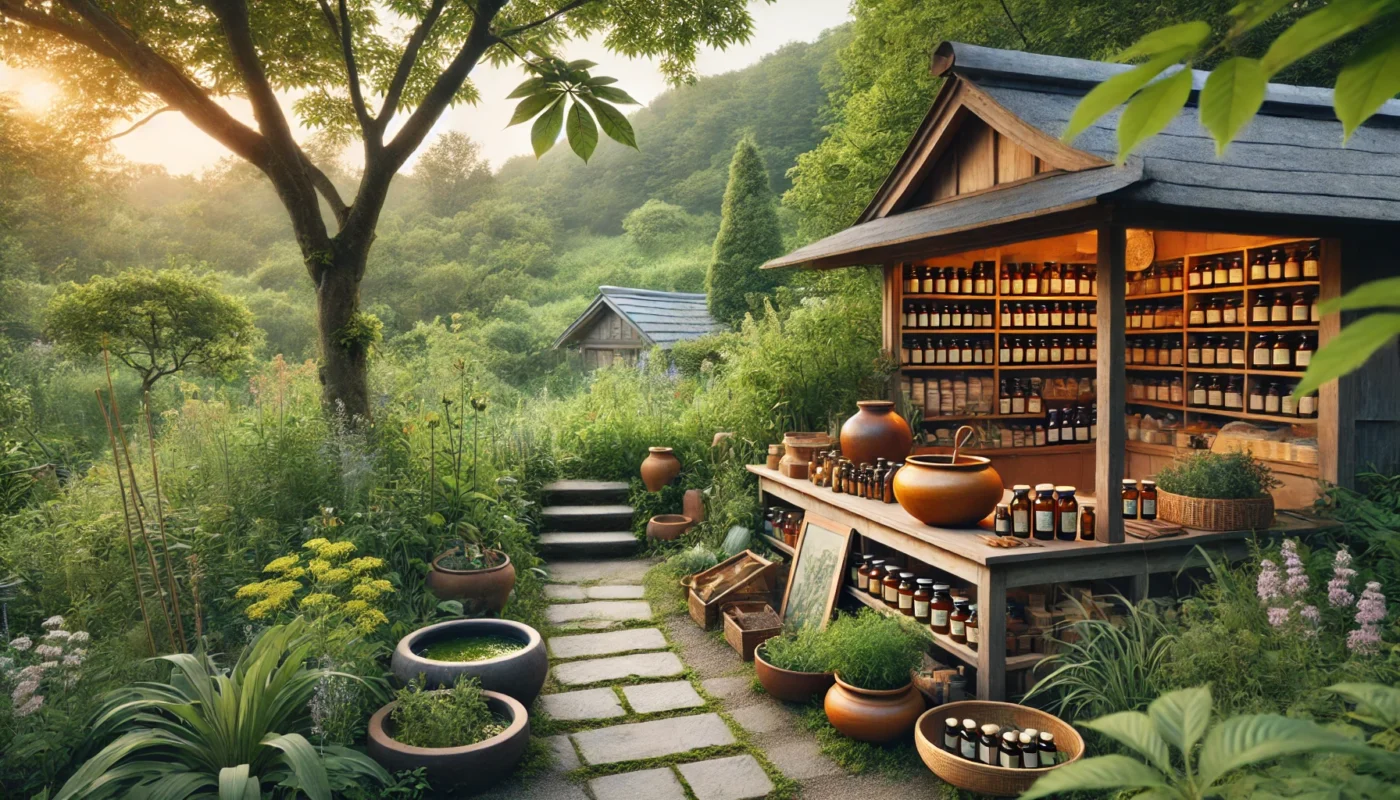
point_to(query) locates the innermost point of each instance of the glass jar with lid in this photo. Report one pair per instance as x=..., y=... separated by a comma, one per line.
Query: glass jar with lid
x=973, y=632
x=890, y=589
x=1044, y=508
x=906, y=593
x=874, y=577
x=957, y=622
x=1067, y=513
x=1020, y=511
x=941, y=608
x=923, y=597
x=858, y=562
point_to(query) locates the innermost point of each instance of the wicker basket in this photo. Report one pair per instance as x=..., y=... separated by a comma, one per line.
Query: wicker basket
x=1215, y=515
x=975, y=776
x=745, y=641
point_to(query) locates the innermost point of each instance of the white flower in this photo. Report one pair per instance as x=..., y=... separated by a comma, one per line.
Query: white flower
x=6, y=663
x=48, y=665
x=79, y=637
x=23, y=691
x=57, y=635
x=31, y=672
x=30, y=707
x=72, y=659
x=22, y=643
x=48, y=651
x=53, y=622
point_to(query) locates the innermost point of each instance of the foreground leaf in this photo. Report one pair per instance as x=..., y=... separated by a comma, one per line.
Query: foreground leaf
x=545, y=131
x=1101, y=772
x=1383, y=293
x=1383, y=701
x=1182, y=717
x=1231, y=97
x=1151, y=110
x=1135, y=729
x=1242, y=741
x=1320, y=28
x=1173, y=37
x=614, y=122
x=582, y=133
x=530, y=106
x=1368, y=80
x=1348, y=350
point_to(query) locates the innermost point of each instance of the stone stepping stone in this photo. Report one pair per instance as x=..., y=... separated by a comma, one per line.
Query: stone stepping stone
x=731, y=689
x=801, y=759
x=615, y=592
x=606, y=644
x=648, y=784
x=735, y=778
x=586, y=518
x=577, y=492
x=642, y=665
x=589, y=625
x=585, y=704
x=662, y=737
x=588, y=545
x=650, y=698
x=564, y=591
x=625, y=570
x=760, y=717
x=612, y=610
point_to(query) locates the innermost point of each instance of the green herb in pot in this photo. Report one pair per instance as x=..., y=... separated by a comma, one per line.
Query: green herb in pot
x=805, y=651
x=873, y=651
x=455, y=717
x=1217, y=476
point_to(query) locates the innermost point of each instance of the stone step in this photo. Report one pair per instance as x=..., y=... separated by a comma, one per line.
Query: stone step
x=587, y=545
x=610, y=517
x=662, y=737
x=584, y=493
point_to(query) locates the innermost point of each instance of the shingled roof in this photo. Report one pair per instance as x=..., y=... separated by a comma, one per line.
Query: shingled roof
x=662, y=318
x=1289, y=160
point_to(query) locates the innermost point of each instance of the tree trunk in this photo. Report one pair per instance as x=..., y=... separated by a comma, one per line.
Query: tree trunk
x=344, y=364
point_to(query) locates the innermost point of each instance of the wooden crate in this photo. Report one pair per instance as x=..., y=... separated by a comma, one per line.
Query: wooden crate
x=745, y=641
x=757, y=584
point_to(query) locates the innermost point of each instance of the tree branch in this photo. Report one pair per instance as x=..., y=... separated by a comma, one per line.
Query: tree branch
x=16, y=10
x=138, y=123
x=519, y=29
x=406, y=64
x=323, y=184
x=344, y=32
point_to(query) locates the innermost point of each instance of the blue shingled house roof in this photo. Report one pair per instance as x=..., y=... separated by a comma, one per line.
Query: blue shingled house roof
x=662, y=318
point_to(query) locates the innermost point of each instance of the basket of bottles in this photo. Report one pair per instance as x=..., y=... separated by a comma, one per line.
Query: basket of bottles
x=994, y=748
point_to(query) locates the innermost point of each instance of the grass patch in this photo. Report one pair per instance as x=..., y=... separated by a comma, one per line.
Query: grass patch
x=897, y=761
x=664, y=592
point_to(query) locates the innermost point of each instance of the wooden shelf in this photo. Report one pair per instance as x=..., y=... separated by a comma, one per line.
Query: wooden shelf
x=1312, y=283
x=989, y=298
x=1218, y=290
x=1154, y=368
x=1075, y=298
x=1154, y=296
x=962, y=652
x=949, y=417
x=954, y=367
x=1311, y=326
x=1172, y=451
x=1217, y=370
x=1078, y=447
x=947, y=331
x=1150, y=331
x=1200, y=330
x=1278, y=373
x=1049, y=365
x=1023, y=331
x=1156, y=404
x=778, y=544
x=1247, y=415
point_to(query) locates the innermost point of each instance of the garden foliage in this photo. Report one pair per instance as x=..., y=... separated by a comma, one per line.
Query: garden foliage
x=748, y=236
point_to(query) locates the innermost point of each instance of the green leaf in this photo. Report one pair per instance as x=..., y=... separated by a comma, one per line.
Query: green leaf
x=1101, y=772
x=1382, y=700
x=1135, y=729
x=1348, y=350
x=1114, y=91
x=1252, y=12
x=582, y=132
x=1174, y=37
x=1368, y=80
x=1383, y=293
x=582, y=63
x=529, y=87
x=613, y=95
x=1245, y=740
x=235, y=784
x=1320, y=28
x=600, y=80
x=301, y=757
x=531, y=106
x=1181, y=717
x=546, y=129
x=1151, y=109
x=1231, y=97
x=614, y=122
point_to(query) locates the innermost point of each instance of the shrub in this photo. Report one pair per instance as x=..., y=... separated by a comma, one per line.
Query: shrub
x=1217, y=476
x=808, y=650
x=872, y=651
x=453, y=717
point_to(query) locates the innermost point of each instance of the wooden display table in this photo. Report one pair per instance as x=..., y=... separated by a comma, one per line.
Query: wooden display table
x=959, y=552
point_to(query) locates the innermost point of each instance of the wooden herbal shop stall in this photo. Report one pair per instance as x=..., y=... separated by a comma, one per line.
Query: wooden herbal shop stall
x=1094, y=322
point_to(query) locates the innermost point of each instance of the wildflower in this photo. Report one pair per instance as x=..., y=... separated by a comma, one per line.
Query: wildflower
x=48, y=665
x=1269, y=585
x=369, y=620
x=48, y=651
x=1370, y=612
x=318, y=600
x=316, y=544
x=6, y=663
x=73, y=660
x=23, y=690
x=30, y=707
x=57, y=635
x=364, y=564
x=1297, y=582
x=1311, y=614
x=22, y=643
x=1339, y=588
x=1365, y=640
x=53, y=622
x=31, y=672
x=336, y=575
x=1278, y=617
x=282, y=564
x=79, y=637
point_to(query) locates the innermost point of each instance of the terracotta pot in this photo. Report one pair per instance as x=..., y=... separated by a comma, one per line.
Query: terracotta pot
x=519, y=674
x=660, y=468
x=667, y=527
x=874, y=432
x=481, y=764
x=784, y=684
x=481, y=591
x=873, y=716
x=937, y=492
x=693, y=506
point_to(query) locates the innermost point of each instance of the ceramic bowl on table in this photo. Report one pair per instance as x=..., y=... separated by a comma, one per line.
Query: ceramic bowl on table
x=936, y=490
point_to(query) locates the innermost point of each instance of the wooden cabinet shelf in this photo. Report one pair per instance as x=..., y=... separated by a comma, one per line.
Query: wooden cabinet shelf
x=1311, y=283
x=1024, y=331
x=1308, y=328
x=1047, y=365
x=954, y=367
x=952, y=417
x=1216, y=289
x=988, y=298
x=1154, y=368
x=778, y=544
x=1217, y=370
x=1157, y=404
x=1249, y=415
x=1278, y=373
x=947, y=331
x=962, y=652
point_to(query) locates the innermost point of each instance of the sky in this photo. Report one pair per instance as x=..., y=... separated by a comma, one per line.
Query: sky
x=173, y=142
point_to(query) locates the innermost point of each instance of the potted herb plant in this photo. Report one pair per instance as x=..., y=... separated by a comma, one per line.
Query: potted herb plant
x=873, y=698
x=796, y=667
x=458, y=735
x=1216, y=492
x=480, y=577
x=503, y=655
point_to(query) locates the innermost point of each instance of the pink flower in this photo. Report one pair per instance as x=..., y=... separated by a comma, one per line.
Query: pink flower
x=1365, y=640
x=1370, y=609
x=30, y=707
x=1339, y=588
x=1297, y=575
x=1311, y=614
x=1269, y=585
x=1278, y=617
x=23, y=691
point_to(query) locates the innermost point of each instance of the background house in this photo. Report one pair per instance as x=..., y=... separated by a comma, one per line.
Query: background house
x=622, y=324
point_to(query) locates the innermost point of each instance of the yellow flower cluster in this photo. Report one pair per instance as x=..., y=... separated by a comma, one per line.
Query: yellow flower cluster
x=334, y=590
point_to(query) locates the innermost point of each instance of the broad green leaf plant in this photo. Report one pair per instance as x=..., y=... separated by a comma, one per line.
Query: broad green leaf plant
x=1180, y=721
x=558, y=84
x=207, y=733
x=1159, y=87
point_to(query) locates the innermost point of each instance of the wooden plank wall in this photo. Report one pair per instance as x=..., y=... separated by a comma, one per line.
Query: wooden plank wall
x=978, y=158
x=1368, y=400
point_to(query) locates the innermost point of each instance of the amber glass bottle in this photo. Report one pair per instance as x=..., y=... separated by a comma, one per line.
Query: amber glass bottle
x=906, y=593
x=1066, y=513
x=1021, y=511
x=890, y=592
x=1044, y=512
x=1147, y=500
x=1129, y=496
x=875, y=584
x=923, y=596
x=957, y=622
x=1086, y=523
x=970, y=627
x=940, y=609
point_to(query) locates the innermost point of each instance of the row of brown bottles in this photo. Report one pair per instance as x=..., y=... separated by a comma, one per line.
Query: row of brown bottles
x=983, y=279
x=1049, y=315
x=872, y=482
x=947, y=316
x=979, y=280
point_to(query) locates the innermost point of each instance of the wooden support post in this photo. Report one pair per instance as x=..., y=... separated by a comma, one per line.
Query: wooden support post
x=991, y=629
x=1111, y=449
x=892, y=323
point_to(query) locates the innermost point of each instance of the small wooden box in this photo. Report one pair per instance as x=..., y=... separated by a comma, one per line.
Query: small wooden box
x=755, y=584
x=745, y=641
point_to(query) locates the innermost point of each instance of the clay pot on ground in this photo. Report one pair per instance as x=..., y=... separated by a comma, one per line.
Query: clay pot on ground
x=936, y=491
x=693, y=506
x=875, y=432
x=660, y=468
x=479, y=764
x=785, y=684
x=519, y=674
x=481, y=591
x=873, y=716
x=667, y=527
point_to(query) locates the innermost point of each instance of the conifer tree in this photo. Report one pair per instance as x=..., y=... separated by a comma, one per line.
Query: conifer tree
x=748, y=236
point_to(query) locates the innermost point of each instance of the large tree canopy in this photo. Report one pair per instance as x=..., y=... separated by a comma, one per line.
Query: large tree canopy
x=379, y=72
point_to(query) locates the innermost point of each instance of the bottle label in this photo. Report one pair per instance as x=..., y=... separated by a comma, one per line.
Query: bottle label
x=1257, y=272
x=1130, y=509
x=1261, y=314
x=1020, y=522
x=1009, y=760
x=1033, y=405
x=950, y=741
x=1302, y=358
x=1045, y=522
x=1047, y=758
x=1053, y=436
x=959, y=627
x=906, y=601
x=1300, y=313
x=1069, y=521
x=1197, y=317
x=891, y=594
x=1289, y=406
x=1282, y=356
x=1042, y=320
x=989, y=754
x=1081, y=434
x=1261, y=357
x=862, y=582
x=939, y=618
x=921, y=608
x=1149, y=508
x=969, y=749
x=972, y=634
x=1030, y=759
x=1307, y=406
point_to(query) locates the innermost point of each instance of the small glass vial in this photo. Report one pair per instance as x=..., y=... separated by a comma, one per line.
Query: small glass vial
x=941, y=609
x=863, y=573
x=857, y=561
x=1147, y=500
x=1021, y=511
x=1030, y=751
x=1044, y=509
x=923, y=597
x=957, y=622
x=1067, y=513
x=1086, y=523
x=1048, y=754
x=1002, y=521
x=971, y=629
x=952, y=734
x=906, y=593
x=987, y=748
x=967, y=740
x=1129, y=496
x=1009, y=755
x=874, y=585
x=890, y=588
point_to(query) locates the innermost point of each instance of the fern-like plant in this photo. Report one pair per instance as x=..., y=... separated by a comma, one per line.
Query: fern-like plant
x=208, y=733
x=1178, y=720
